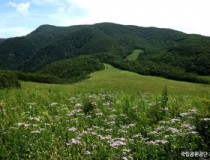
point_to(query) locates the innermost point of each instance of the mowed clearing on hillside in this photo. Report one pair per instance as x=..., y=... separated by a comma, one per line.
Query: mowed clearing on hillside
x=115, y=80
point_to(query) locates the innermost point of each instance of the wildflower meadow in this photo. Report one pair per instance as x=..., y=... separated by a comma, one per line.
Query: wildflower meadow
x=51, y=124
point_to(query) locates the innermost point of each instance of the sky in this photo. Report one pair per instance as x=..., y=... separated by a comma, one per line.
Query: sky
x=20, y=17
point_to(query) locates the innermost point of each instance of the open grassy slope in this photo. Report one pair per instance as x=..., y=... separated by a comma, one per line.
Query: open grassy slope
x=115, y=80
x=134, y=55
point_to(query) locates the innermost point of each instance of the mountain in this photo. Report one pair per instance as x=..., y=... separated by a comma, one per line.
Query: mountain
x=165, y=51
x=1, y=40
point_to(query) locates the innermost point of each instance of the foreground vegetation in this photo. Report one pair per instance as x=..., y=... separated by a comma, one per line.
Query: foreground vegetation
x=51, y=124
x=114, y=114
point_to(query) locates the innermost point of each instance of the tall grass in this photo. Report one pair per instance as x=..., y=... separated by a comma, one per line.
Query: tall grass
x=51, y=124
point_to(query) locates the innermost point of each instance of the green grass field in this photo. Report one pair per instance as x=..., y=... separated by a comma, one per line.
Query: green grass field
x=134, y=55
x=114, y=80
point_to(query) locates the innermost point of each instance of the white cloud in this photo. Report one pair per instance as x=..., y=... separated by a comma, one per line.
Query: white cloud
x=60, y=9
x=20, y=7
x=43, y=2
x=190, y=16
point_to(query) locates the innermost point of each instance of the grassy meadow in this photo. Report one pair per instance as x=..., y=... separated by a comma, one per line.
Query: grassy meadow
x=114, y=80
x=134, y=55
x=112, y=115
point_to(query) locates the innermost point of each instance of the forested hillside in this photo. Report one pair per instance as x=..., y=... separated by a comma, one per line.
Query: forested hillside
x=72, y=70
x=1, y=40
x=168, y=53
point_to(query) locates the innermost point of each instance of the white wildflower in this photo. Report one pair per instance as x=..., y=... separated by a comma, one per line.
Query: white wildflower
x=151, y=143
x=70, y=114
x=161, y=141
x=72, y=99
x=132, y=125
x=106, y=104
x=137, y=135
x=80, y=114
x=23, y=124
x=151, y=104
x=20, y=124
x=78, y=110
x=194, y=110
x=173, y=130
x=192, y=128
x=108, y=137
x=126, y=150
x=173, y=120
x=166, y=136
x=78, y=105
x=113, y=110
x=36, y=132
x=94, y=103
x=184, y=114
x=206, y=119
x=99, y=114
x=38, y=119
x=31, y=104
x=108, y=130
x=125, y=127
x=89, y=129
x=153, y=133
x=135, y=107
x=68, y=144
x=159, y=128
x=194, y=132
x=123, y=115
x=75, y=141
x=144, y=139
x=111, y=123
x=72, y=129
x=87, y=153
x=95, y=127
x=186, y=125
x=93, y=133
x=116, y=144
x=164, y=122
x=123, y=131
x=53, y=104
x=112, y=117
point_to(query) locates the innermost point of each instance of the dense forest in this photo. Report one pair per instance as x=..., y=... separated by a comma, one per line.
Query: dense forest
x=167, y=53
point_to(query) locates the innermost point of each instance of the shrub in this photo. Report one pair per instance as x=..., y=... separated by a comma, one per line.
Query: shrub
x=38, y=78
x=8, y=80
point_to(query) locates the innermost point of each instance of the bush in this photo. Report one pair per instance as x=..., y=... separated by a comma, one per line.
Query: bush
x=38, y=78
x=8, y=80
